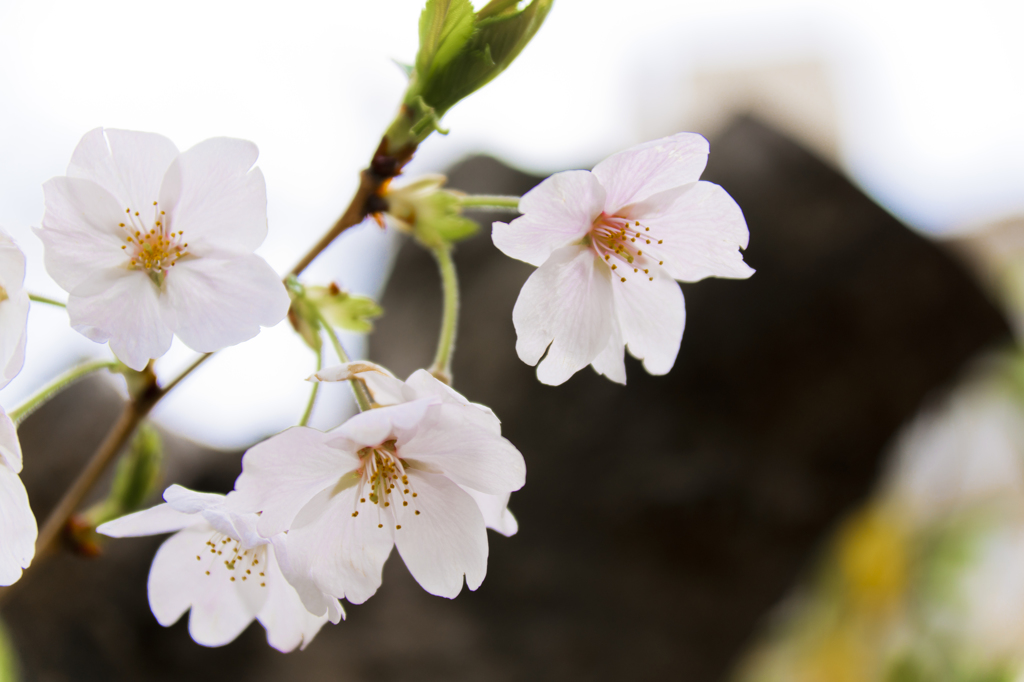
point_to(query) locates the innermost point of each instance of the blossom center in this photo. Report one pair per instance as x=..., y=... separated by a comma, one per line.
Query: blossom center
x=152, y=247
x=627, y=247
x=241, y=565
x=3, y=294
x=384, y=483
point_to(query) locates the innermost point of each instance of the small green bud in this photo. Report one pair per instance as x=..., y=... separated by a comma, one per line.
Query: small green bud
x=431, y=214
x=337, y=306
x=135, y=479
x=344, y=310
x=303, y=314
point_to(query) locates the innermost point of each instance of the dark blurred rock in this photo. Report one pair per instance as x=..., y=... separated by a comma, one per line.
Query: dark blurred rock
x=660, y=521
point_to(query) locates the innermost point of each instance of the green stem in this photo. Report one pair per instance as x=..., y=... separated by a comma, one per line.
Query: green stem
x=316, y=389
x=51, y=389
x=490, y=201
x=358, y=387
x=48, y=301
x=442, y=368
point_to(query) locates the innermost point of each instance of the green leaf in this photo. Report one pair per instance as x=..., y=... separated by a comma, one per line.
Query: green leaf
x=445, y=26
x=8, y=657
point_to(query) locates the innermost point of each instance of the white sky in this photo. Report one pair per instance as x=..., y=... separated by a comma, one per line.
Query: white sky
x=930, y=97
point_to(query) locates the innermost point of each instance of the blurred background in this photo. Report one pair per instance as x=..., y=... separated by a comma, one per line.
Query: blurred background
x=828, y=486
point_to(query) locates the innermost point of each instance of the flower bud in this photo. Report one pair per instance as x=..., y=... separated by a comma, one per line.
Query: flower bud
x=431, y=214
x=459, y=53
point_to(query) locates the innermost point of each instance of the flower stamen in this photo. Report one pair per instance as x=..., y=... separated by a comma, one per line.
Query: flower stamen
x=154, y=250
x=613, y=237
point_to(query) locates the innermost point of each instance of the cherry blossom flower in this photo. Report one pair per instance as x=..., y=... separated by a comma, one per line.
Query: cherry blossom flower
x=17, y=523
x=608, y=244
x=217, y=565
x=427, y=475
x=14, y=305
x=149, y=242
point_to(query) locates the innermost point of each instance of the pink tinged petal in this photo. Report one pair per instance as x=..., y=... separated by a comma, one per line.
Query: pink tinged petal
x=157, y=520
x=446, y=540
x=703, y=231
x=457, y=440
x=283, y=473
x=10, y=447
x=494, y=509
x=17, y=527
x=286, y=620
x=646, y=169
x=13, y=334
x=371, y=428
x=341, y=554
x=566, y=303
x=611, y=362
x=178, y=580
x=219, y=302
x=80, y=231
x=122, y=306
x=651, y=315
x=211, y=194
x=128, y=164
x=556, y=213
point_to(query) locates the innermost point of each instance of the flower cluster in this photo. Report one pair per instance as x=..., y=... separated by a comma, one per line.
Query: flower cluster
x=314, y=515
x=151, y=243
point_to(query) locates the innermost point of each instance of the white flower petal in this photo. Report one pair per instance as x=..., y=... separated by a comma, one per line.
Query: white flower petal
x=646, y=169
x=131, y=167
x=651, y=315
x=221, y=608
x=190, y=501
x=13, y=335
x=371, y=428
x=457, y=440
x=424, y=384
x=286, y=620
x=17, y=527
x=446, y=541
x=342, y=554
x=283, y=473
x=122, y=306
x=494, y=509
x=80, y=230
x=556, y=213
x=12, y=264
x=611, y=362
x=384, y=388
x=703, y=231
x=211, y=193
x=566, y=303
x=219, y=302
x=162, y=518
x=14, y=305
x=10, y=446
